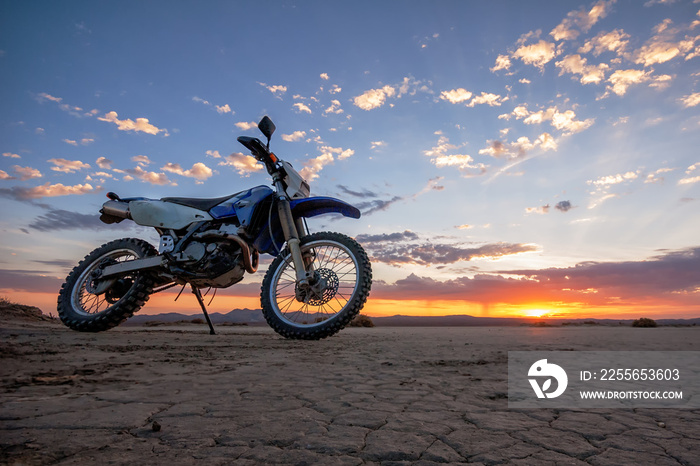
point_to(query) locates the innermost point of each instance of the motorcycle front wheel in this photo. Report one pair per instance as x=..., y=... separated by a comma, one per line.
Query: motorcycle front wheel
x=88, y=306
x=342, y=277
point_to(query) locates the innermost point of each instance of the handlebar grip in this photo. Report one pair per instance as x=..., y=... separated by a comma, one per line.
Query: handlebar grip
x=254, y=144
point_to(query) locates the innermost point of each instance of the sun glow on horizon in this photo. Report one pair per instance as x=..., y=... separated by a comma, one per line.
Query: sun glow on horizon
x=537, y=312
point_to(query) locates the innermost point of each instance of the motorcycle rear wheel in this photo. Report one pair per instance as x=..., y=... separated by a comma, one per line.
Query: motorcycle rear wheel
x=81, y=309
x=345, y=270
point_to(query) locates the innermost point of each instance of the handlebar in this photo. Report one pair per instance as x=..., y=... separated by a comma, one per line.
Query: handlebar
x=260, y=152
x=255, y=145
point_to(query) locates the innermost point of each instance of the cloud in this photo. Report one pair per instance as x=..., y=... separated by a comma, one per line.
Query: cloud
x=577, y=65
x=199, y=171
x=295, y=136
x=68, y=166
x=690, y=100
x=502, y=63
x=615, y=41
x=581, y=21
x=442, y=147
x=334, y=108
x=377, y=205
x=374, y=98
x=339, y=151
x=406, y=235
x=672, y=277
x=456, y=96
x=302, y=108
x=104, y=162
x=566, y=121
x=140, y=125
x=659, y=2
x=621, y=80
x=314, y=166
x=538, y=210
x=519, y=148
x=377, y=144
x=5, y=176
x=440, y=157
x=675, y=272
x=690, y=179
x=73, y=110
x=213, y=154
x=58, y=219
x=149, y=177
x=463, y=162
x=46, y=190
x=11, y=155
x=26, y=280
x=492, y=100
x=563, y=206
x=243, y=164
x=44, y=96
x=27, y=173
x=613, y=179
x=427, y=253
x=246, y=125
x=277, y=89
x=653, y=178
x=324, y=76
x=141, y=159
x=537, y=54
x=221, y=109
x=603, y=184
x=657, y=52
x=361, y=194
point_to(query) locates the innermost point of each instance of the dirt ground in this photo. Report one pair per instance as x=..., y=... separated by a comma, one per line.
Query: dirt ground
x=176, y=395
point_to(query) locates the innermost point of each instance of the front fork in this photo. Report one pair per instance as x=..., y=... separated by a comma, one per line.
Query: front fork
x=292, y=231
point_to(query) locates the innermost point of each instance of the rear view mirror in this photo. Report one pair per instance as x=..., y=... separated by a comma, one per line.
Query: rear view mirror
x=267, y=127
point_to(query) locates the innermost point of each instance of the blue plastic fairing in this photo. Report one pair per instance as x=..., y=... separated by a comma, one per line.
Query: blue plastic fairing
x=242, y=205
x=312, y=206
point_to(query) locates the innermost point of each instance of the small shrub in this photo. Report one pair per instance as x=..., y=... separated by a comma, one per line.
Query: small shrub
x=644, y=322
x=361, y=321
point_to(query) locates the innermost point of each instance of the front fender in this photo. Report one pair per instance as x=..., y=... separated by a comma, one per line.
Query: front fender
x=312, y=206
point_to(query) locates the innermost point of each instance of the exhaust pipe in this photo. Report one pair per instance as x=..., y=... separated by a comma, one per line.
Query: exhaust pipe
x=114, y=211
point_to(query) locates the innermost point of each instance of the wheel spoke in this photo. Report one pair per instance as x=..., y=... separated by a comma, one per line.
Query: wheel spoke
x=88, y=303
x=333, y=264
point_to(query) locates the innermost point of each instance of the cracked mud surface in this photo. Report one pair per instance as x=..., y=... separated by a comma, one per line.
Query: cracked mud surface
x=366, y=396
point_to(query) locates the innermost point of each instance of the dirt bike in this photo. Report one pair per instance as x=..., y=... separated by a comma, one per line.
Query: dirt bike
x=313, y=288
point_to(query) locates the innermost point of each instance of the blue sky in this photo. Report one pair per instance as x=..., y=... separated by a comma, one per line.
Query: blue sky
x=481, y=140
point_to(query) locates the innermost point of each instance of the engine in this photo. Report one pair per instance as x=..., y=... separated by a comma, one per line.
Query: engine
x=218, y=264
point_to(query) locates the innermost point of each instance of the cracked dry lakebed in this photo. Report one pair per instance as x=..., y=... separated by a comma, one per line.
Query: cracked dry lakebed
x=177, y=395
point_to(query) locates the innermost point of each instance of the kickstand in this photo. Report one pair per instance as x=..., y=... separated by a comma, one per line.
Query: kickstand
x=198, y=295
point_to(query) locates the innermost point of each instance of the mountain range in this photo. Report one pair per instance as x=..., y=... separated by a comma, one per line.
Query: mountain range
x=255, y=317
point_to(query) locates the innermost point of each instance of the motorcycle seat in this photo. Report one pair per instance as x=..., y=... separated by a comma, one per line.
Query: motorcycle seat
x=198, y=203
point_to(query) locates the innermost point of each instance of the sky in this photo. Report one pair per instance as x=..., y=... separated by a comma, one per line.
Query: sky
x=535, y=158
